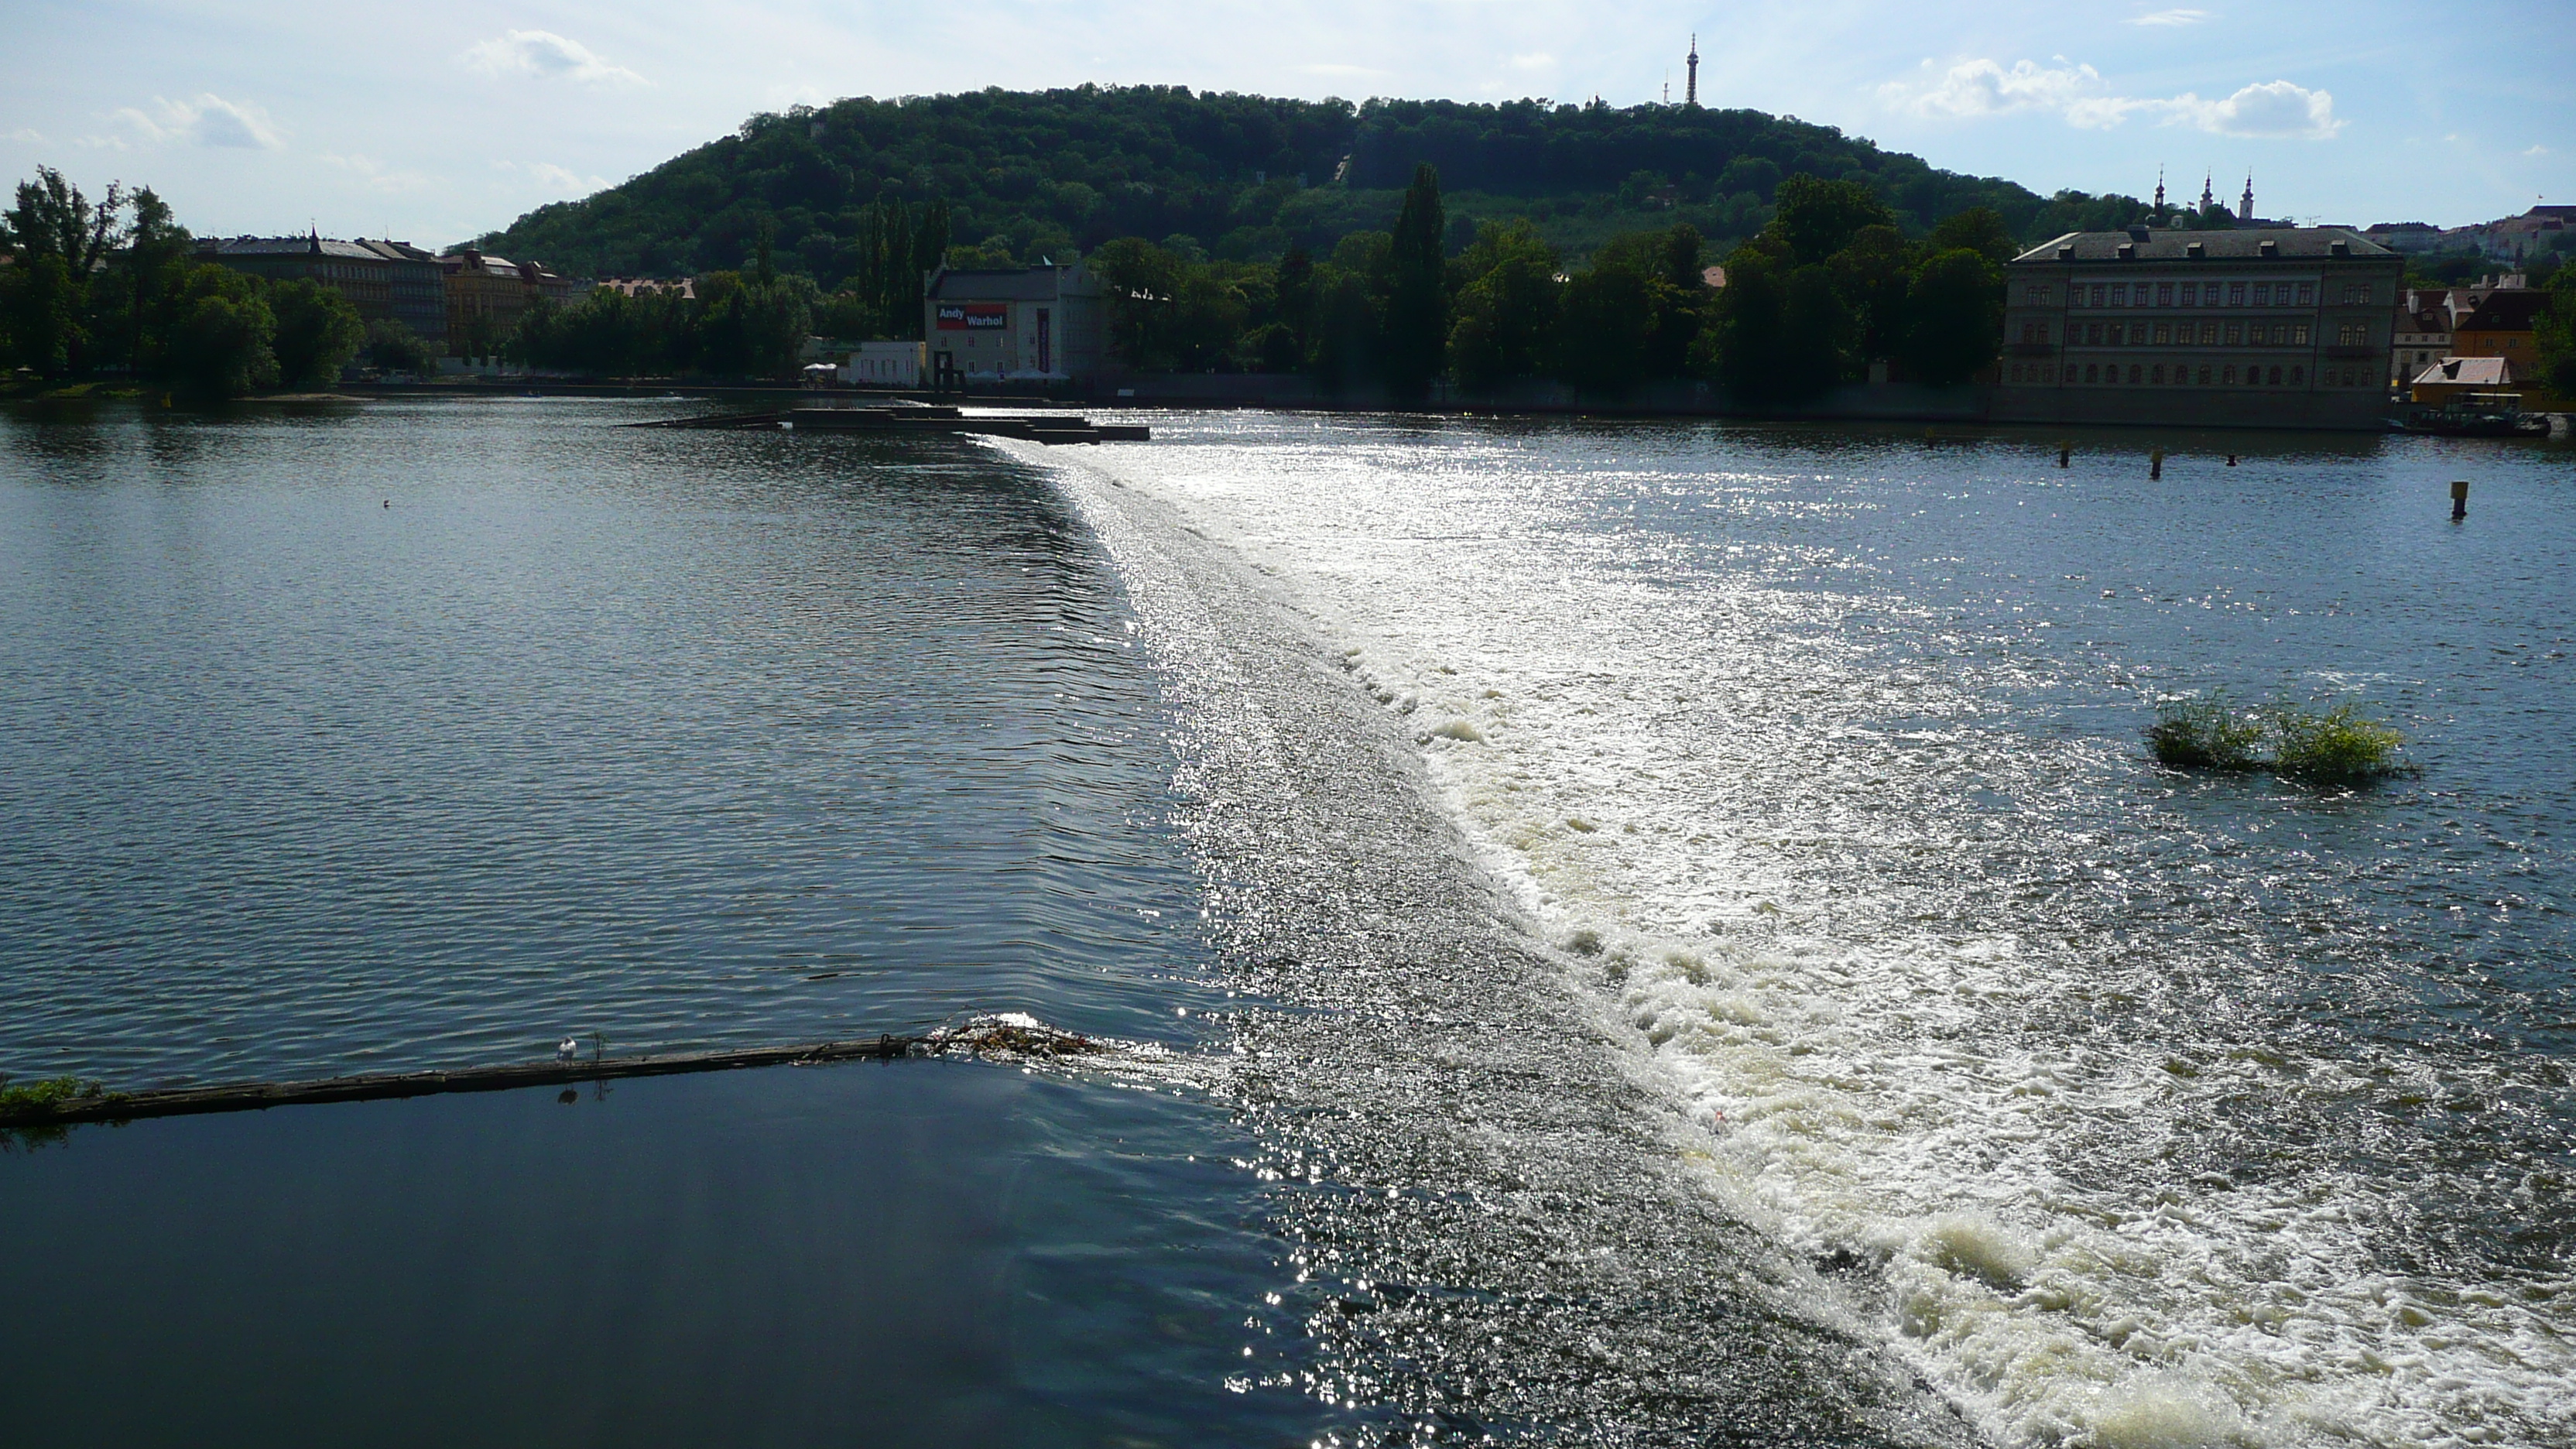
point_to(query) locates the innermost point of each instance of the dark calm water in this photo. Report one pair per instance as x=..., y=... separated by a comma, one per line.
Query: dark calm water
x=1659, y=934
x=343, y=743
x=356, y=741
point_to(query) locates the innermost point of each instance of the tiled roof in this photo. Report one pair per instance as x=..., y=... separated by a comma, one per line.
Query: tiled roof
x=2309, y=242
x=2513, y=311
x=2471, y=371
x=283, y=246
x=397, y=251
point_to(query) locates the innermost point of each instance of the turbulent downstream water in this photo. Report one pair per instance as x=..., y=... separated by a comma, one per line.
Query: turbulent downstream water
x=1636, y=933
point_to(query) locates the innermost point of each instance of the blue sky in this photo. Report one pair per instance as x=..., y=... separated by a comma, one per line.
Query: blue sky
x=435, y=123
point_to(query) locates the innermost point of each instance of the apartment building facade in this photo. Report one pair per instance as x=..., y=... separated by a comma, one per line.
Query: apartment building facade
x=352, y=270
x=2273, y=327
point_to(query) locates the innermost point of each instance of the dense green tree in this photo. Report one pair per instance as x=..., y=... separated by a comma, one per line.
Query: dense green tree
x=1780, y=334
x=1818, y=218
x=751, y=330
x=40, y=306
x=1955, y=323
x=478, y=337
x=611, y=334
x=1604, y=329
x=315, y=332
x=1143, y=282
x=1873, y=274
x=52, y=218
x=1635, y=314
x=2556, y=329
x=1349, y=315
x=60, y=239
x=222, y=348
x=1293, y=297
x=1245, y=176
x=1979, y=229
x=1208, y=318
x=1817, y=335
x=132, y=298
x=1505, y=314
x=392, y=346
x=1417, y=301
x=1744, y=331
x=889, y=247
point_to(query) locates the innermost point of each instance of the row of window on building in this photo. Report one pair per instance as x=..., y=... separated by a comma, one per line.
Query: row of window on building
x=2184, y=334
x=2157, y=374
x=2195, y=294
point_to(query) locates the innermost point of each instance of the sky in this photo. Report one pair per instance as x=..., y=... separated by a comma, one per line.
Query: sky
x=435, y=123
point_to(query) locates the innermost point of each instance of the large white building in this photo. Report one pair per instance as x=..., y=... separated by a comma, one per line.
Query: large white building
x=1024, y=324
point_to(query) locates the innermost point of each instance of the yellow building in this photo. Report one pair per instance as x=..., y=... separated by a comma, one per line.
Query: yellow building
x=487, y=295
x=2502, y=325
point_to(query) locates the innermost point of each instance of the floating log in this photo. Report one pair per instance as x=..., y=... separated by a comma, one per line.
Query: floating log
x=1009, y=1035
x=1048, y=428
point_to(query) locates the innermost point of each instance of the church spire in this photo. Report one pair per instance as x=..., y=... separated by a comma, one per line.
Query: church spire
x=2208, y=198
x=2246, y=211
x=1690, y=86
x=2160, y=193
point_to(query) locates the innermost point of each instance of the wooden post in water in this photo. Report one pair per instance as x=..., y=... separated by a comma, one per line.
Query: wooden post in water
x=2062, y=450
x=2459, y=499
x=2156, y=464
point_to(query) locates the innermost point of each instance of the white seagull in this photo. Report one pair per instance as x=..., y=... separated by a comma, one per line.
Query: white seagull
x=564, y=1049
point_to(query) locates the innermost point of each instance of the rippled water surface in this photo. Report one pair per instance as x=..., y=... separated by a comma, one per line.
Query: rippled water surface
x=2164, y=1110
x=1657, y=933
x=345, y=743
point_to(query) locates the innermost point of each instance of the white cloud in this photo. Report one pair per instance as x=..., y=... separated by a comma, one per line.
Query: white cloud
x=27, y=134
x=559, y=179
x=2274, y=108
x=800, y=93
x=209, y=120
x=1534, y=61
x=376, y=176
x=1984, y=88
x=2537, y=151
x=545, y=55
x=2171, y=17
x=1973, y=88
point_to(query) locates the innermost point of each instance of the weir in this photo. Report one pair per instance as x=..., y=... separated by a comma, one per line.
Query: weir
x=916, y=421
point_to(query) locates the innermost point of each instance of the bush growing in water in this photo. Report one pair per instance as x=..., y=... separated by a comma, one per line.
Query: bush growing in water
x=2334, y=746
x=2205, y=734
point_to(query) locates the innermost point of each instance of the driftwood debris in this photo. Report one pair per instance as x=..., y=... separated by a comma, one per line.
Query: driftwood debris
x=1010, y=1035
x=940, y=421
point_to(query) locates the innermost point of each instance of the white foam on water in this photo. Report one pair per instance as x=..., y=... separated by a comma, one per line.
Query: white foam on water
x=1677, y=772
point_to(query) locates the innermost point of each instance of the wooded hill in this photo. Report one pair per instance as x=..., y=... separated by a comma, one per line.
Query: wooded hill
x=1234, y=177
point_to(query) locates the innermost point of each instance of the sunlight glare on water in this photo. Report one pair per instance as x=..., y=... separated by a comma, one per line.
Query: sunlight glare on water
x=2169, y=1110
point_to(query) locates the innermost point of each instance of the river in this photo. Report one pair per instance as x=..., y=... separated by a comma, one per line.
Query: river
x=1624, y=932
